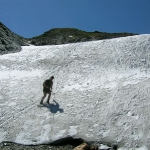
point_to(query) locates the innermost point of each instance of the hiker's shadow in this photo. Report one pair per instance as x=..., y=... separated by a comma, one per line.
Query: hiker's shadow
x=54, y=107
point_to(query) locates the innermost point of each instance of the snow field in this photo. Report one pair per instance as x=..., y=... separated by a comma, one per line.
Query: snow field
x=101, y=93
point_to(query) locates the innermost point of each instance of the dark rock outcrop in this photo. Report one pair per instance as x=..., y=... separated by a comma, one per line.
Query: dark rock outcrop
x=9, y=41
x=59, y=36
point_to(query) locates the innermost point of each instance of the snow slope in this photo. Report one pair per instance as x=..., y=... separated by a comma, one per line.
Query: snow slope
x=101, y=93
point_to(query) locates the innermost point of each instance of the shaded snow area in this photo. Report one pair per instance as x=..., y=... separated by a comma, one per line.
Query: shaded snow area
x=101, y=93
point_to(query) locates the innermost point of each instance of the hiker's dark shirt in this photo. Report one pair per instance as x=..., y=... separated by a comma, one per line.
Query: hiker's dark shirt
x=49, y=84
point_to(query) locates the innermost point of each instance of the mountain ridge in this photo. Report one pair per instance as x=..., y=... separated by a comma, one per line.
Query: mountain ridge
x=11, y=42
x=59, y=36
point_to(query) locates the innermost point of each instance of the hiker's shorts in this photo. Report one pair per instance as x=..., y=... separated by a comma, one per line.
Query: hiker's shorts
x=46, y=90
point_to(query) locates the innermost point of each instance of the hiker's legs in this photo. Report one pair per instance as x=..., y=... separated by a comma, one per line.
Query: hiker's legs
x=49, y=96
x=43, y=98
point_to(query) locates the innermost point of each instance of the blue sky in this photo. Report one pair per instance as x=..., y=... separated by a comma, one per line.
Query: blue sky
x=30, y=18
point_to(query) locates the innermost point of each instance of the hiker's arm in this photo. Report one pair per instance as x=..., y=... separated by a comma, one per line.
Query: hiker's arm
x=51, y=89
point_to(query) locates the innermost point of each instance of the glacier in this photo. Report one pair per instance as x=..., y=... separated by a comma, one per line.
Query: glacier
x=101, y=92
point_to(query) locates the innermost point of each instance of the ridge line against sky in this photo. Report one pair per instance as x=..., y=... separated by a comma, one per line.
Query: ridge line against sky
x=30, y=18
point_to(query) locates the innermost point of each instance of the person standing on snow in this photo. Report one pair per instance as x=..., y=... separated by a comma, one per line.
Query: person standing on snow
x=47, y=89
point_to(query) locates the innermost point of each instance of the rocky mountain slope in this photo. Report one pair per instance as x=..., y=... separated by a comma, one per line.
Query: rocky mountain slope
x=70, y=35
x=9, y=41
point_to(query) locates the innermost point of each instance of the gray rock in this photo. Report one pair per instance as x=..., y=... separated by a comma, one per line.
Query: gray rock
x=9, y=41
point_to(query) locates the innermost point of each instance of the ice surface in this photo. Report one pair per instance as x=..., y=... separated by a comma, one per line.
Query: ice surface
x=101, y=93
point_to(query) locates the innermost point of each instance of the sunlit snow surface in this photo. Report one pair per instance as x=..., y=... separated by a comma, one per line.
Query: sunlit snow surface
x=102, y=93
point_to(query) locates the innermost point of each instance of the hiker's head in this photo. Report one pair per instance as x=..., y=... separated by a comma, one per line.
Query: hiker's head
x=52, y=77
